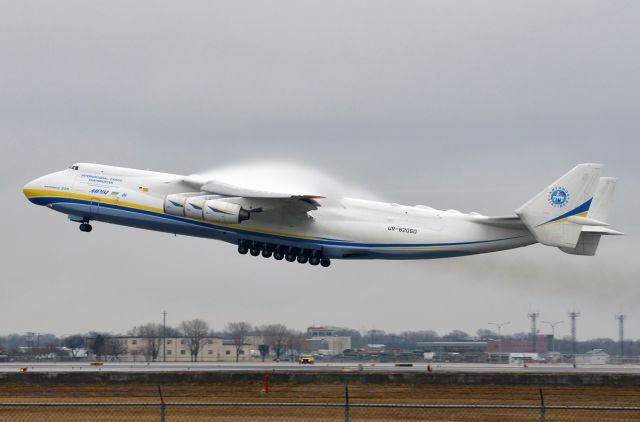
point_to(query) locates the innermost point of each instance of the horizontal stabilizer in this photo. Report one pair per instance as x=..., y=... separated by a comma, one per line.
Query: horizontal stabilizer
x=601, y=230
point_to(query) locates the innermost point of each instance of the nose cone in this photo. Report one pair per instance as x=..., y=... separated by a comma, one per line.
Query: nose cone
x=29, y=190
x=32, y=189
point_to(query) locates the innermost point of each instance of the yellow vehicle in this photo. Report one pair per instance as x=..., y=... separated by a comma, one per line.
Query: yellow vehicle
x=306, y=360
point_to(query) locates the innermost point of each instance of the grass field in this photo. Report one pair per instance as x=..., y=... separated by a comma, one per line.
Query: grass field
x=334, y=393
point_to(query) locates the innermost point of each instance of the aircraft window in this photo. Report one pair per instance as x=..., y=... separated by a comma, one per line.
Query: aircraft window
x=74, y=167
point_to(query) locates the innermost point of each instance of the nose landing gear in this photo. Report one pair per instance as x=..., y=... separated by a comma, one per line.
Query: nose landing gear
x=85, y=227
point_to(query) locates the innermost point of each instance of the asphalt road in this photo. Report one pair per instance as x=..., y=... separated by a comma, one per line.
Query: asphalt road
x=318, y=367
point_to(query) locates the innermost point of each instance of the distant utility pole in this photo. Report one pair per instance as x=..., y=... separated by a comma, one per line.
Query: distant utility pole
x=500, y=325
x=534, y=331
x=621, y=317
x=164, y=336
x=553, y=332
x=573, y=315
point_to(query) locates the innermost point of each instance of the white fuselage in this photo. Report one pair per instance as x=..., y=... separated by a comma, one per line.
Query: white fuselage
x=350, y=229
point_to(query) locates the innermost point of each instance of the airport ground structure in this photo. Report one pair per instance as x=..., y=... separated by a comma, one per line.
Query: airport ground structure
x=439, y=379
x=326, y=344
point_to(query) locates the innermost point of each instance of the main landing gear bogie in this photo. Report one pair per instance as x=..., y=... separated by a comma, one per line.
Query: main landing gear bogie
x=279, y=253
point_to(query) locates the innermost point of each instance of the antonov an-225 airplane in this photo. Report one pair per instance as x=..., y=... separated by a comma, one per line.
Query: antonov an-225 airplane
x=570, y=214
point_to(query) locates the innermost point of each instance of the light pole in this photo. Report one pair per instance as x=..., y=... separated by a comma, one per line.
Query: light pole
x=500, y=325
x=164, y=336
x=553, y=332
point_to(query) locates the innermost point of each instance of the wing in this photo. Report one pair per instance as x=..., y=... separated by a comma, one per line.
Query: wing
x=256, y=200
x=226, y=189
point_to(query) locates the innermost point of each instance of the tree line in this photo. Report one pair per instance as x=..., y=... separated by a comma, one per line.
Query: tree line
x=274, y=339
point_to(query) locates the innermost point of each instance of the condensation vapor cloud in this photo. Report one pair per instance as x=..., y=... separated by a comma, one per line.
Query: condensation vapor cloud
x=287, y=177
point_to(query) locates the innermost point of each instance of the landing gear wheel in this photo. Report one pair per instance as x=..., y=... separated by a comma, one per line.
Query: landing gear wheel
x=278, y=255
x=266, y=253
x=314, y=260
x=255, y=252
x=84, y=227
x=290, y=258
x=242, y=250
x=325, y=262
x=302, y=259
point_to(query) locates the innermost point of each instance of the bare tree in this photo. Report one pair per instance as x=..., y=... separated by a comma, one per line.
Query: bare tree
x=264, y=351
x=195, y=331
x=74, y=343
x=114, y=348
x=295, y=342
x=98, y=345
x=484, y=334
x=275, y=335
x=239, y=332
x=152, y=335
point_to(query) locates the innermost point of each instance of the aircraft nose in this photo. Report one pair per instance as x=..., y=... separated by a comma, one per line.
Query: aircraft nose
x=30, y=190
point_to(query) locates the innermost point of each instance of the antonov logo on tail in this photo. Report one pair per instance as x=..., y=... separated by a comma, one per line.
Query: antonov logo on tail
x=558, y=197
x=301, y=227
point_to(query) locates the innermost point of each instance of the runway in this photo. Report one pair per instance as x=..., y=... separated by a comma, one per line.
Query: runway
x=322, y=367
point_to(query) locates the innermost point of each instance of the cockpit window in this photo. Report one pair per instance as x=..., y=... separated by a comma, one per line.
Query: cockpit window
x=74, y=167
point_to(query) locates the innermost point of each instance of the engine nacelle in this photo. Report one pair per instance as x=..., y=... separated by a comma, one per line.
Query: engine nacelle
x=204, y=207
x=174, y=204
x=220, y=211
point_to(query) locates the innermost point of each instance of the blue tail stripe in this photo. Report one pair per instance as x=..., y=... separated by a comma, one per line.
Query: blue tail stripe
x=577, y=210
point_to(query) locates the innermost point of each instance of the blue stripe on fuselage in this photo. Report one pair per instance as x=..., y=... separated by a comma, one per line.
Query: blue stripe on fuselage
x=321, y=241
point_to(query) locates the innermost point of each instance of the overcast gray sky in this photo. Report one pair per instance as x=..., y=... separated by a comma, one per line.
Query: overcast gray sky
x=468, y=105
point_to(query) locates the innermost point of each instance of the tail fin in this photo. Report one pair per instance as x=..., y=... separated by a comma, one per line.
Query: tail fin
x=547, y=215
x=602, y=199
x=599, y=214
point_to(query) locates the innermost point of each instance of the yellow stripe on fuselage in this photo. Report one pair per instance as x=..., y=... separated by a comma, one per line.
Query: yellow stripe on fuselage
x=30, y=193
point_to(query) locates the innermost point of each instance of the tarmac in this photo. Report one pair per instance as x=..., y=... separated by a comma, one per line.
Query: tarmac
x=320, y=367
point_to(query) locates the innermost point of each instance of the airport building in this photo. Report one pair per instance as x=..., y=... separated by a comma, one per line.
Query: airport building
x=325, y=341
x=542, y=345
x=593, y=357
x=141, y=349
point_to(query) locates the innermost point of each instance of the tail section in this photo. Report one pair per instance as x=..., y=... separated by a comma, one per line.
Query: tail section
x=599, y=215
x=603, y=199
x=556, y=215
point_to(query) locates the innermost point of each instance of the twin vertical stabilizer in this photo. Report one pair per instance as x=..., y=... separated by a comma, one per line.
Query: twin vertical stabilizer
x=571, y=212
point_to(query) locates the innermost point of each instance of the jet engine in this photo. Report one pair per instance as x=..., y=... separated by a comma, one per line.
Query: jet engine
x=204, y=207
x=221, y=211
x=175, y=204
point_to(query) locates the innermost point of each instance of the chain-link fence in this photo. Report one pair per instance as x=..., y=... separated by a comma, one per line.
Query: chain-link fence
x=312, y=412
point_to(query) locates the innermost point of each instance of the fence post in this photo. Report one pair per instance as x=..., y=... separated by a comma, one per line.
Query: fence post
x=346, y=403
x=163, y=408
x=542, y=408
